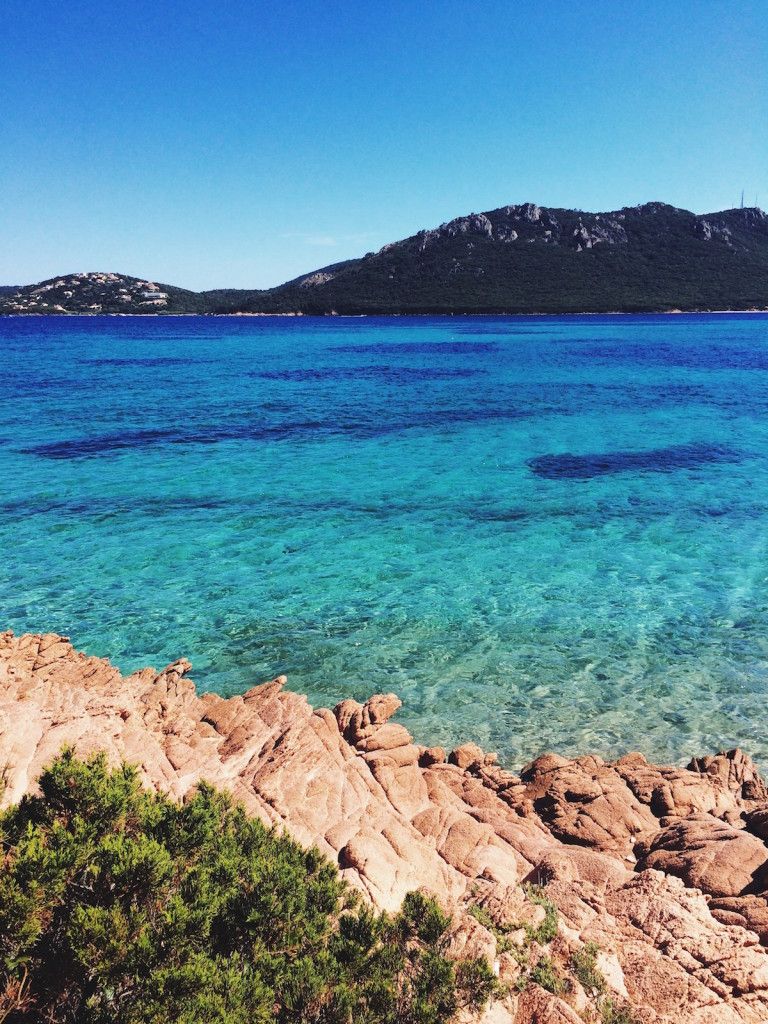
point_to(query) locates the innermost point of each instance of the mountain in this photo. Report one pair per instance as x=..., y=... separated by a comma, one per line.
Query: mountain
x=517, y=259
x=529, y=259
x=100, y=293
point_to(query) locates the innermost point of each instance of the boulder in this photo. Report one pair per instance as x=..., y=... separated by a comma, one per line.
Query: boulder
x=708, y=854
x=628, y=853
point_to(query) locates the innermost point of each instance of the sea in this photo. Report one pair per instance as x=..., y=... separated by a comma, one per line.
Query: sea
x=542, y=533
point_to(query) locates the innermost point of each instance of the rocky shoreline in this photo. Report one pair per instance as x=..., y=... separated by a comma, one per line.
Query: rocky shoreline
x=662, y=871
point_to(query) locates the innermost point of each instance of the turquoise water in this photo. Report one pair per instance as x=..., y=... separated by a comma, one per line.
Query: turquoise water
x=543, y=533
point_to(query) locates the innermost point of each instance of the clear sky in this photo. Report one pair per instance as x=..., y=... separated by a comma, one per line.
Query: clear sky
x=209, y=143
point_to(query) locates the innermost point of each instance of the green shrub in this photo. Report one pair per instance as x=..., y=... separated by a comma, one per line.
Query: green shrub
x=584, y=966
x=118, y=905
x=545, y=973
x=545, y=932
x=482, y=915
x=611, y=1014
x=542, y=933
x=476, y=979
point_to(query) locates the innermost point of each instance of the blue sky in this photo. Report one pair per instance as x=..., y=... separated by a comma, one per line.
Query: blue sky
x=242, y=143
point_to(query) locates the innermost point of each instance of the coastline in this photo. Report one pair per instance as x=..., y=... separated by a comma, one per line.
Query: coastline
x=356, y=316
x=663, y=870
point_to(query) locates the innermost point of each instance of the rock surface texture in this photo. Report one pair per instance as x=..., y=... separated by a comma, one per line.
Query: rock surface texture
x=664, y=869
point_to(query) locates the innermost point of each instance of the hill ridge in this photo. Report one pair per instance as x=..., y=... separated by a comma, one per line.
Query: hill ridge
x=521, y=258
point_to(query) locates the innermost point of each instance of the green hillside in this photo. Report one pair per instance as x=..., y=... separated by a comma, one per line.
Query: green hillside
x=527, y=259
x=517, y=259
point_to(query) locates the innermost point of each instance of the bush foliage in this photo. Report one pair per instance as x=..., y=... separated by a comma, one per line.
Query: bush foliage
x=119, y=905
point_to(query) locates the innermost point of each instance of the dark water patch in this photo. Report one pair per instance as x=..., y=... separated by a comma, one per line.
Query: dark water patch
x=109, y=444
x=420, y=348
x=505, y=332
x=348, y=423
x=362, y=424
x=488, y=514
x=100, y=444
x=96, y=506
x=18, y=386
x=689, y=357
x=390, y=374
x=656, y=460
x=258, y=508
x=148, y=361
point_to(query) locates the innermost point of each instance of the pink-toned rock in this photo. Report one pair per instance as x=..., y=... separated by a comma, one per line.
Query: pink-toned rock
x=609, y=967
x=358, y=721
x=536, y=1006
x=676, y=791
x=756, y=822
x=466, y=756
x=571, y=864
x=398, y=817
x=708, y=854
x=432, y=755
x=745, y=911
x=735, y=770
x=586, y=801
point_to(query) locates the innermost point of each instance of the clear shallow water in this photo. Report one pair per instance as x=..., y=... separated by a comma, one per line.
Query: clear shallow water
x=543, y=533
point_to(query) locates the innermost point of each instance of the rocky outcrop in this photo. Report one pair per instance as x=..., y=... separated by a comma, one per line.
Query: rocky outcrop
x=88, y=293
x=321, y=277
x=528, y=223
x=662, y=868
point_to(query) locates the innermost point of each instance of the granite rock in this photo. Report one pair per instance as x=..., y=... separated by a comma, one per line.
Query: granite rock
x=661, y=867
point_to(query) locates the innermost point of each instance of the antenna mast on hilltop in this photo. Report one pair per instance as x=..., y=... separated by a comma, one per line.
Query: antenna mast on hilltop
x=742, y=199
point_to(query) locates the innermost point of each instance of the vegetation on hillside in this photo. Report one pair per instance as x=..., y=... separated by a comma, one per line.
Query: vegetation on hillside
x=653, y=257
x=118, y=905
x=522, y=259
x=532, y=948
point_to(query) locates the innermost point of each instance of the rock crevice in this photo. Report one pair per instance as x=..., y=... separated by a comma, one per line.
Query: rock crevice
x=664, y=868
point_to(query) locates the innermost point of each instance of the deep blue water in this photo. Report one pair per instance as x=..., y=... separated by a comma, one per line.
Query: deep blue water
x=542, y=532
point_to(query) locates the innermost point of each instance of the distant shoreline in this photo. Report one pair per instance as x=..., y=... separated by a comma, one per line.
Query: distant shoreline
x=382, y=316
